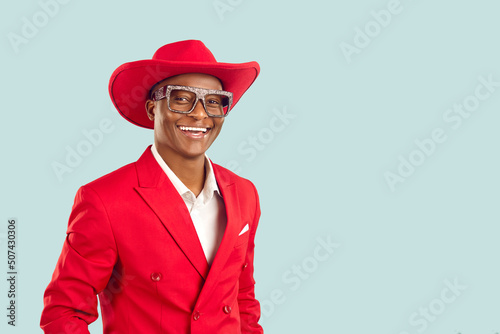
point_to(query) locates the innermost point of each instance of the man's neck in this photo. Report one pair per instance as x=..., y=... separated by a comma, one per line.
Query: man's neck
x=191, y=172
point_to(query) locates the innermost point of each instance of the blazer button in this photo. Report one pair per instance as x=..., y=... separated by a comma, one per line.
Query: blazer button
x=244, y=266
x=227, y=309
x=196, y=315
x=155, y=277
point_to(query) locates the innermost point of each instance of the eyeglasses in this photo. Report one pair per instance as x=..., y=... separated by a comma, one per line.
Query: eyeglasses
x=183, y=99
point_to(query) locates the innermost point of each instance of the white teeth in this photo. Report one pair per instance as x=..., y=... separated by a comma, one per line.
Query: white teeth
x=188, y=128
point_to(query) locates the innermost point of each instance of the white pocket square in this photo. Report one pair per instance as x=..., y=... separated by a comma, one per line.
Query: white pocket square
x=244, y=230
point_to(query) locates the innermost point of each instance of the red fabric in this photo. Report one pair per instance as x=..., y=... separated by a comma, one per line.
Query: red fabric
x=131, y=240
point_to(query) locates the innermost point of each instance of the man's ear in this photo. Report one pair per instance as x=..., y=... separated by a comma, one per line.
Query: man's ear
x=150, y=109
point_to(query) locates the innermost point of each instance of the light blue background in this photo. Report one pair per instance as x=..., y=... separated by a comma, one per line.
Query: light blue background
x=321, y=176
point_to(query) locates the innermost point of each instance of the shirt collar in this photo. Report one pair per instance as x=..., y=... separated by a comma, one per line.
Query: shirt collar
x=209, y=187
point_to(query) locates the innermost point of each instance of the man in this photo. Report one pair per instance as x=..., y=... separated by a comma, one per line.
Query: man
x=166, y=242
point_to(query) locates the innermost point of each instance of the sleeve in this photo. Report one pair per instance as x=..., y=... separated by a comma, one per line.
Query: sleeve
x=83, y=269
x=249, y=306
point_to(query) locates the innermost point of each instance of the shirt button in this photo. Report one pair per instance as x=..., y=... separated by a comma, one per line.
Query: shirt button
x=196, y=315
x=244, y=266
x=227, y=309
x=155, y=277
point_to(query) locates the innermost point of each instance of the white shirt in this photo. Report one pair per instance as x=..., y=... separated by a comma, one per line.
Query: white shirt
x=207, y=211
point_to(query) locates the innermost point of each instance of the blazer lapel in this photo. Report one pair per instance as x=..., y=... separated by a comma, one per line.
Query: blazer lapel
x=233, y=227
x=162, y=197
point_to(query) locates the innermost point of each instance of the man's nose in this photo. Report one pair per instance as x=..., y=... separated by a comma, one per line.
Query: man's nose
x=198, y=111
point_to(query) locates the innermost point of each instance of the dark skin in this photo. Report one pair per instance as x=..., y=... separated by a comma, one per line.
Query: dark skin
x=184, y=151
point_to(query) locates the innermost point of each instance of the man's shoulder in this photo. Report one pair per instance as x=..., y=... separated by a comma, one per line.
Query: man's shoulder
x=123, y=175
x=126, y=175
x=229, y=176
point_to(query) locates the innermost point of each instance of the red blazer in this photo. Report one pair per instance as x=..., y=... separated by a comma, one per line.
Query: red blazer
x=130, y=239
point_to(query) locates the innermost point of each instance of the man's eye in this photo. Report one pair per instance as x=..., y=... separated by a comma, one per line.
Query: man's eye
x=181, y=99
x=214, y=101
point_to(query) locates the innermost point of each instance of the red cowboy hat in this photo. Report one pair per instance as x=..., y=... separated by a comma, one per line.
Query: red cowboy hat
x=130, y=84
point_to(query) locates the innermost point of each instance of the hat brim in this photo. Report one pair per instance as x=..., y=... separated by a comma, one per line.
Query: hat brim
x=130, y=84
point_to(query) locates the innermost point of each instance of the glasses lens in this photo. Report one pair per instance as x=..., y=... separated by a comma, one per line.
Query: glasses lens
x=181, y=100
x=217, y=104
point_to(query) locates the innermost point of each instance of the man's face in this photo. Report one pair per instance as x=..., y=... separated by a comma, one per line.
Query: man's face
x=174, y=134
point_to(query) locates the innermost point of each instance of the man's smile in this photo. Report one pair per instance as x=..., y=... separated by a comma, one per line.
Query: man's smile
x=194, y=132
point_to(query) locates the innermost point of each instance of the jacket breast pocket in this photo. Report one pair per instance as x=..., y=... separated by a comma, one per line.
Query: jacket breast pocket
x=242, y=240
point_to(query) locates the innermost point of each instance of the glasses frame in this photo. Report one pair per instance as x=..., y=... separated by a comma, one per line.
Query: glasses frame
x=164, y=92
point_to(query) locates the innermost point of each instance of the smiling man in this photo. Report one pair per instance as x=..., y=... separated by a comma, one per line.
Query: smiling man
x=167, y=242
x=184, y=127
